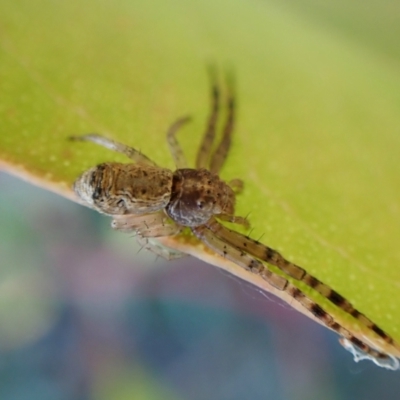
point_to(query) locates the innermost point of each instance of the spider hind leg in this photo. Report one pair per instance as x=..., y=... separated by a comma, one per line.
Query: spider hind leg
x=228, y=250
x=273, y=257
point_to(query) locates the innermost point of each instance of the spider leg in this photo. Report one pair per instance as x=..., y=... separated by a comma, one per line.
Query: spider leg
x=220, y=153
x=236, y=185
x=204, y=151
x=229, y=251
x=148, y=227
x=174, y=147
x=271, y=256
x=390, y=362
x=157, y=248
x=130, y=152
x=234, y=219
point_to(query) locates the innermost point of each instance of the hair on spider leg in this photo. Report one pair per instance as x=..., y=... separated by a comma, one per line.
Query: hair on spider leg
x=261, y=236
x=141, y=247
x=246, y=218
x=250, y=232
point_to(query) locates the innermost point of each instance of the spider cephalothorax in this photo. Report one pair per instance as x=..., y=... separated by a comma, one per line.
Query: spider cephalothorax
x=197, y=195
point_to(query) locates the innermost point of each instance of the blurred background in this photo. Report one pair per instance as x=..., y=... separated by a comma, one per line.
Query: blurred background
x=84, y=314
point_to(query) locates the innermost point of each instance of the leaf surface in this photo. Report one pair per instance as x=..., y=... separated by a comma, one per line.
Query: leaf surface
x=317, y=137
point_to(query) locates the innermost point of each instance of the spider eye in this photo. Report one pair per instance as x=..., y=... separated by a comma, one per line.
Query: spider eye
x=200, y=204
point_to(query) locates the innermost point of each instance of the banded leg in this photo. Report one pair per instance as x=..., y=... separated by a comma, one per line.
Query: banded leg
x=271, y=256
x=110, y=144
x=390, y=362
x=236, y=255
x=204, y=152
x=174, y=147
x=219, y=156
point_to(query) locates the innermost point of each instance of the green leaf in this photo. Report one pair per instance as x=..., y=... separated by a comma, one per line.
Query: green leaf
x=317, y=138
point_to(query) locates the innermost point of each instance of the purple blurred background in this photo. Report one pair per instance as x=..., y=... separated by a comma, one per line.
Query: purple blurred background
x=84, y=314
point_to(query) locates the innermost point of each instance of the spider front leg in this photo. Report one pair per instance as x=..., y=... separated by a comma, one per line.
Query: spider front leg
x=160, y=250
x=147, y=227
x=110, y=144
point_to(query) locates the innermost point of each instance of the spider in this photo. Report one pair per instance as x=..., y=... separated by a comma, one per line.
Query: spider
x=155, y=202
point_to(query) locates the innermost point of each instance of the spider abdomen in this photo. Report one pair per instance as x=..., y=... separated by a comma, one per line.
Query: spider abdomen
x=197, y=195
x=118, y=189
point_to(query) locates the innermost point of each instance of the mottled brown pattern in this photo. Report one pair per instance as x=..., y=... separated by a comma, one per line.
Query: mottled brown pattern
x=155, y=202
x=197, y=195
x=115, y=188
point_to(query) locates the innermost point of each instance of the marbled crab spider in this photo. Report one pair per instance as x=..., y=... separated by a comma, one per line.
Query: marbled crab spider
x=155, y=202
